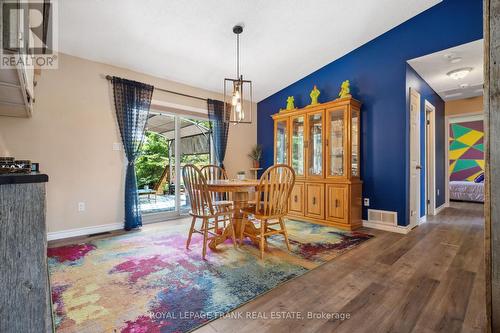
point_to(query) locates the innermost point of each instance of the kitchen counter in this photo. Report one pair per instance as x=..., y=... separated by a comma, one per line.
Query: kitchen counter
x=25, y=304
x=23, y=178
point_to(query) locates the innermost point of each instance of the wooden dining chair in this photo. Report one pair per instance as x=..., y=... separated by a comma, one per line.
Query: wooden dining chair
x=215, y=172
x=203, y=208
x=271, y=205
x=220, y=199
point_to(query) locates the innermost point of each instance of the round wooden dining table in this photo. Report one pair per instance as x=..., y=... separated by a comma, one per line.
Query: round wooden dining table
x=240, y=190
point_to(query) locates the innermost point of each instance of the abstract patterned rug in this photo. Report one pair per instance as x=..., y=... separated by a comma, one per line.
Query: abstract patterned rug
x=148, y=282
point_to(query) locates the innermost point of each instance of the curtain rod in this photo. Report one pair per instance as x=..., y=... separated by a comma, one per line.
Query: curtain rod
x=109, y=78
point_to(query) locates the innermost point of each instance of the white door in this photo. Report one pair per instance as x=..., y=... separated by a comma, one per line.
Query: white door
x=430, y=168
x=415, y=166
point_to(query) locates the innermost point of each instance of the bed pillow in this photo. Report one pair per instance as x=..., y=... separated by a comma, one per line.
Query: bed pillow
x=479, y=179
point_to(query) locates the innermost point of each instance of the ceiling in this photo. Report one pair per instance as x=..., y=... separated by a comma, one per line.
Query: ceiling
x=434, y=67
x=191, y=41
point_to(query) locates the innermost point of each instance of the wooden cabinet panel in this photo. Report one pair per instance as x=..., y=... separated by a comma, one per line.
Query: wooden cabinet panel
x=356, y=205
x=297, y=199
x=315, y=198
x=337, y=202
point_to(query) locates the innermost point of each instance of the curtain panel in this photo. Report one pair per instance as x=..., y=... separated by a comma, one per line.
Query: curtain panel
x=132, y=101
x=219, y=125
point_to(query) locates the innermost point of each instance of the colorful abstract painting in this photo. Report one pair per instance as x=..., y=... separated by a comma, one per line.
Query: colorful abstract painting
x=147, y=281
x=466, y=152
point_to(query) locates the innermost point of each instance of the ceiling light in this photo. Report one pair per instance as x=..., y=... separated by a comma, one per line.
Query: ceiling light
x=453, y=95
x=452, y=58
x=464, y=85
x=460, y=73
x=239, y=101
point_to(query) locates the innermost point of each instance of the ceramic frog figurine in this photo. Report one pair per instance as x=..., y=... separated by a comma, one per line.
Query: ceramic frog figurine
x=314, y=95
x=345, y=90
x=290, y=103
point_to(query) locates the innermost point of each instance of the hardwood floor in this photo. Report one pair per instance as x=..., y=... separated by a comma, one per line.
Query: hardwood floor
x=431, y=280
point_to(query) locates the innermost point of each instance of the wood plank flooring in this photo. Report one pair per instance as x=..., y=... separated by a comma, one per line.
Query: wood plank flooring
x=431, y=280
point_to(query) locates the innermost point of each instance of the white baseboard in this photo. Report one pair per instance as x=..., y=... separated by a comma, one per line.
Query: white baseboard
x=83, y=231
x=423, y=219
x=440, y=208
x=385, y=227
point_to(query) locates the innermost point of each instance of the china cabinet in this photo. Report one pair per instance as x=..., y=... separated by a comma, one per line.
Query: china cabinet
x=321, y=143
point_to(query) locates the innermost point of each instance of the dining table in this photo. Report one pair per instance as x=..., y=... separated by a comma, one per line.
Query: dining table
x=240, y=192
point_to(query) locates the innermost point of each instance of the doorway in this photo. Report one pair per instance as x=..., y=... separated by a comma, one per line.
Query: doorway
x=435, y=79
x=430, y=159
x=415, y=166
x=171, y=141
x=465, y=155
x=422, y=179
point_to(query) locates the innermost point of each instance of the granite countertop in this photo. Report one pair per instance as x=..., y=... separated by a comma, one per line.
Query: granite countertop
x=23, y=178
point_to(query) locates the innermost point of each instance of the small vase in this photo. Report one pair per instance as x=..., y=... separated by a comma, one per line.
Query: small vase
x=256, y=164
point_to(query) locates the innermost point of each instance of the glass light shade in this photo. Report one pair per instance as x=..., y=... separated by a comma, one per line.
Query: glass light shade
x=238, y=101
x=459, y=74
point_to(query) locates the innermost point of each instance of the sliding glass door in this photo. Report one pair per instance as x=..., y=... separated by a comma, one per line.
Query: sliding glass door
x=194, y=149
x=171, y=142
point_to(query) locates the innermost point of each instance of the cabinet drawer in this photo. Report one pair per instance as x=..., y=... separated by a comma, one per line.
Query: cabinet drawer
x=337, y=201
x=297, y=199
x=315, y=199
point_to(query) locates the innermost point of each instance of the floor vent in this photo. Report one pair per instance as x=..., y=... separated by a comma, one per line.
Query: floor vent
x=383, y=216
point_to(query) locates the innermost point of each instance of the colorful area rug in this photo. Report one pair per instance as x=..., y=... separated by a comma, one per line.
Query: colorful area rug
x=148, y=282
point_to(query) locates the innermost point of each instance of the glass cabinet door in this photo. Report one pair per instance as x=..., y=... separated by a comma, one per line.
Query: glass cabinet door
x=355, y=121
x=336, y=142
x=298, y=137
x=315, y=144
x=281, y=149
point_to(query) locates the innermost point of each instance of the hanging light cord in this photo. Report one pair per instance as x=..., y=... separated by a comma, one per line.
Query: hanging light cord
x=238, y=56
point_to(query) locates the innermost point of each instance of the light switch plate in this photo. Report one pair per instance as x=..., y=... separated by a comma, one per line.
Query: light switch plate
x=81, y=206
x=366, y=202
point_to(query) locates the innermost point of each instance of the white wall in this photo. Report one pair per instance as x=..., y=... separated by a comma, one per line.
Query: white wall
x=72, y=132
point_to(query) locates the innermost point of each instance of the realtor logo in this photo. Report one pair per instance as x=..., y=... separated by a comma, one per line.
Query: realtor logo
x=29, y=34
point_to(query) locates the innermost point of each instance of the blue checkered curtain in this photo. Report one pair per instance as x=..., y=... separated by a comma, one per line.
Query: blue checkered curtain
x=219, y=126
x=132, y=102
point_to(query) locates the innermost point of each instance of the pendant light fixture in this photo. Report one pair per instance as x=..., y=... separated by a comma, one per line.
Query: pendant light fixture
x=238, y=92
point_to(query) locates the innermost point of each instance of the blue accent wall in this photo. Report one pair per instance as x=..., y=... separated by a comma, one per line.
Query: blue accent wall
x=377, y=71
x=413, y=80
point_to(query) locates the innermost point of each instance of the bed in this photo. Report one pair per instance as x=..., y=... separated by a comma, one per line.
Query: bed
x=467, y=191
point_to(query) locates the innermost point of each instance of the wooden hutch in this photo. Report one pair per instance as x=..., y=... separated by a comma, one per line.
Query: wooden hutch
x=321, y=143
